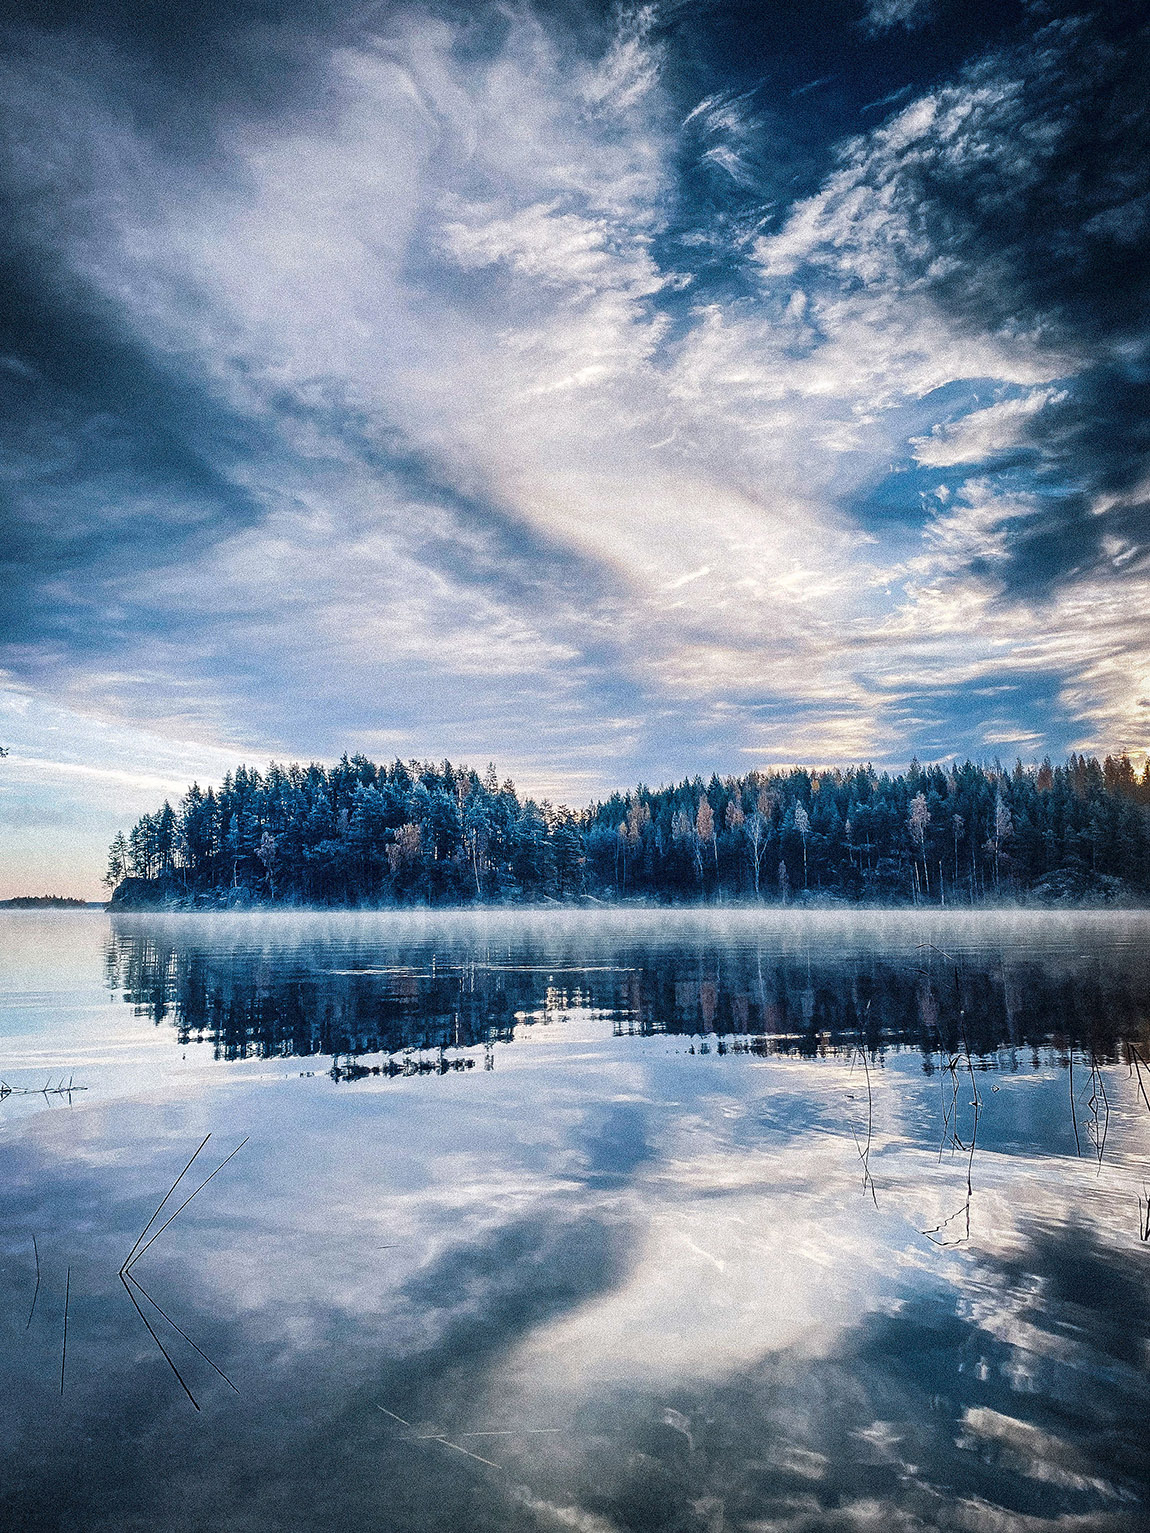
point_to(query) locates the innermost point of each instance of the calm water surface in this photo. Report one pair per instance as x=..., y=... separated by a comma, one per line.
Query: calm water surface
x=576, y=1221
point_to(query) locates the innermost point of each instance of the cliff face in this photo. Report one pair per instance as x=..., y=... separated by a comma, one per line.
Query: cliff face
x=142, y=894
x=172, y=893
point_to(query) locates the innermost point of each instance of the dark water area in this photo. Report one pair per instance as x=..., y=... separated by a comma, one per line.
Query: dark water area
x=619, y=1222
x=350, y=986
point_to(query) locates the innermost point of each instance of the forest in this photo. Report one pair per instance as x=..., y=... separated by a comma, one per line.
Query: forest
x=362, y=834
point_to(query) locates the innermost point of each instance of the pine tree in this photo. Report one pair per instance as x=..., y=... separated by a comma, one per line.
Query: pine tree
x=117, y=861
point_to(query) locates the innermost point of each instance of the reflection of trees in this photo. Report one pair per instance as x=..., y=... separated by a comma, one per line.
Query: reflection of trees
x=980, y=1002
x=307, y=1000
x=267, y=1009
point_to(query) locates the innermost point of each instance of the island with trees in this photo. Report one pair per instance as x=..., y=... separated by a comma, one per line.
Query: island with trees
x=362, y=834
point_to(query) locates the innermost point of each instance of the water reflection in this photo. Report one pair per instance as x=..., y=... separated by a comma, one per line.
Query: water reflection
x=295, y=986
x=612, y=1287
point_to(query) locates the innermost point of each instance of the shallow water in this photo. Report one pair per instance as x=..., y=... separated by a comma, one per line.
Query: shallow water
x=611, y=1221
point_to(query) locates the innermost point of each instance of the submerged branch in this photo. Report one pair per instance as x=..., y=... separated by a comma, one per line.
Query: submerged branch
x=142, y=1244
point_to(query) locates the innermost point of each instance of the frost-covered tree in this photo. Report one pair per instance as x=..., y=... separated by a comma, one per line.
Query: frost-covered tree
x=803, y=826
x=362, y=833
x=917, y=821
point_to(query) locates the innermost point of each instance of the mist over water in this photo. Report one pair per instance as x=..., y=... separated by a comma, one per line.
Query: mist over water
x=659, y=1220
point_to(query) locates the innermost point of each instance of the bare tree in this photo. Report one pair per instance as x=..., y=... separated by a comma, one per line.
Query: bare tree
x=757, y=828
x=1003, y=830
x=405, y=849
x=918, y=820
x=803, y=826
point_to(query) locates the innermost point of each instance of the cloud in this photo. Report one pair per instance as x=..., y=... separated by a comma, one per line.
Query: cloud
x=982, y=434
x=543, y=414
x=394, y=375
x=1014, y=196
x=882, y=15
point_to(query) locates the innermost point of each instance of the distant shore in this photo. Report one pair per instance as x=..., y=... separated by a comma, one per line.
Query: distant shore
x=49, y=902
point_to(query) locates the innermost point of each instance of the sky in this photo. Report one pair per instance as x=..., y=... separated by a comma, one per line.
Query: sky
x=612, y=392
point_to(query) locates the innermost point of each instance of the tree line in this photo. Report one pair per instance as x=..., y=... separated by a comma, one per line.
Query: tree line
x=359, y=833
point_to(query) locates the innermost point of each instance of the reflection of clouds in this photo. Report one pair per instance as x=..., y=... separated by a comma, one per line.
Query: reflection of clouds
x=714, y=1287
x=771, y=1262
x=1030, y=1451
x=913, y=1414
x=670, y=1259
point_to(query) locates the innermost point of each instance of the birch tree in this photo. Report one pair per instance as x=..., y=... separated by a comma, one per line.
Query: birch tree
x=803, y=826
x=756, y=829
x=918, y=820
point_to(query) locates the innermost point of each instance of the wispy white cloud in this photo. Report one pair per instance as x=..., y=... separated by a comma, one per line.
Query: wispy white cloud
x=983, y=434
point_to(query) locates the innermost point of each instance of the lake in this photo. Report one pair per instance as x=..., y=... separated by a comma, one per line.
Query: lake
x=603, y=1221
